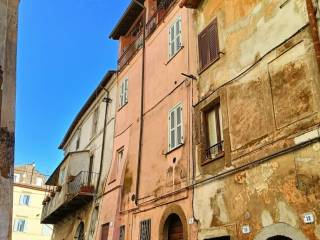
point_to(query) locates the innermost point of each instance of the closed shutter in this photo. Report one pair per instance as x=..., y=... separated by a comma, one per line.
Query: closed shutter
x=121, y=94
x=126, y=90
x=179, y=125
x=178, y=34
x=213, y=41
x=175, y=127
x=172, y=133
x=208, y=42
x=171, y=41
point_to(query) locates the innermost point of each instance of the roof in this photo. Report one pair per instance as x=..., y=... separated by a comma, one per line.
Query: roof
x=128, y=18
x=86, y=106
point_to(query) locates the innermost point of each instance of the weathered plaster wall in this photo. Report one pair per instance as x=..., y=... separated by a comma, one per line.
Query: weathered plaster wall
x=268, y=84
x=8, y=44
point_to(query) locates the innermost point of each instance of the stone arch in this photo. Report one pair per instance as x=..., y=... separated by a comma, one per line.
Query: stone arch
x=172, y=211
x=280, y=229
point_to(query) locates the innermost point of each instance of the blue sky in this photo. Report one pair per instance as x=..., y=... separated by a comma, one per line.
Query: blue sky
x=63, y=53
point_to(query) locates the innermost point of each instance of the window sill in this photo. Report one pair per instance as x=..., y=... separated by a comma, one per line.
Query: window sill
x=173, y=149
x=180, y=49
x=208, y=66
x=119, y=109
x=209, y=160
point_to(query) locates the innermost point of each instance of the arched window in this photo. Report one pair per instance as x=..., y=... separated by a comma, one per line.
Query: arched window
x=80, y=232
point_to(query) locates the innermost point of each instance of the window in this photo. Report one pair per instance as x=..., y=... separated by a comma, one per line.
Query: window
x=120, y=153
x=122, y=232
x=145, y=229
x=62, y=176
x=175, y=38
x=95, y=122
x=175, y=127
x=20, y=225
x=214, y=132
x=16, y=178
x=123, y=93
x=117, y=164
x=78, y=140
x=47, y=230
x=208, y=42
x=25, y=200
x=39, y=181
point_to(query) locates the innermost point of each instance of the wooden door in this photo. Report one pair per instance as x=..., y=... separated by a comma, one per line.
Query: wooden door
x=175, y=228
x=105, y=231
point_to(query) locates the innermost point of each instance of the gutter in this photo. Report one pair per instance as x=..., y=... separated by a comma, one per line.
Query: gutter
x=314, y=29
x=107, y=100
x=141, y=104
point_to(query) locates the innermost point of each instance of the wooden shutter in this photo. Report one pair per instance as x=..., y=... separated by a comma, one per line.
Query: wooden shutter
x=126, y=90
x=179, y=125
x=208, y=45
x=213, y=41
x=171, y=40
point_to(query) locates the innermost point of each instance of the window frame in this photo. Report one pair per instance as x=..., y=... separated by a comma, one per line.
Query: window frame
x=177, y=142
x=213, y=23
x=173, y=40
x=95, y=122
x=143, y=225
x=122, y=232
x=16, y=177
x=24, y=200
x=17, y=226
x=216, y=107
x=123, y=92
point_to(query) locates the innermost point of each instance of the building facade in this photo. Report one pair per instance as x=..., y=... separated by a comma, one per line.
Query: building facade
x=75, y=187
x=147, y=195
x=8, y=44
x=28, y=193
x=256, y=122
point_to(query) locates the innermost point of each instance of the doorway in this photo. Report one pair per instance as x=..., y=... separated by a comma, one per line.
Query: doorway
x=80, y=232
x=174, y=228
x=105, y=231
x=279, y=237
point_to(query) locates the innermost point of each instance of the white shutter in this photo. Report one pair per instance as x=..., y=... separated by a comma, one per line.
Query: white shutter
x=15, y=226
x=121, y=94
x=126, y=90
x=178, y=37
x=179, y=125
x=171, y=41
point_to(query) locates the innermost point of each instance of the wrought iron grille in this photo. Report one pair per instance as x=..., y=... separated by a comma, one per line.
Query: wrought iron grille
x=122, y=232
x=215, y=150
x=145, y=229
x=84, y=182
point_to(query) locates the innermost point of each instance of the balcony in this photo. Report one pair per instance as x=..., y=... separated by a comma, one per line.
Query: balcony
x=62, y=200
x=133, y=41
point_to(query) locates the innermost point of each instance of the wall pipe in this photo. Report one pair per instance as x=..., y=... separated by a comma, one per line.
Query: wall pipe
x=314, y=29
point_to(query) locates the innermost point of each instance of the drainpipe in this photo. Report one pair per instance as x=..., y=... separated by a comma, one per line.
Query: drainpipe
x=314, y=29
x=141, y=102
x=107, y=100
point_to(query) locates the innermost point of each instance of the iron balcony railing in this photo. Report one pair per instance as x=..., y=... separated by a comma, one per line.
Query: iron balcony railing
x=215, y=150
x=84, y=182
x=135, y=36
x=158, y=16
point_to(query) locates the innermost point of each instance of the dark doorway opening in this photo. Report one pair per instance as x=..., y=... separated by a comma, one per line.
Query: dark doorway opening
x=80, y=232
x=105, y=231
x=278, y=237
x=174, y=228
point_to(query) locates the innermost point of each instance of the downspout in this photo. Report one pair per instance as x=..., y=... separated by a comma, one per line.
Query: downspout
x=314, y=29
x=141, y=102
x=107, y=100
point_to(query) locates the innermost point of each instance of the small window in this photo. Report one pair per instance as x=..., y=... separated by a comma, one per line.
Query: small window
x=62, y=176
x=78, y=140
x=175, y=127
x=39, y=181
x=123, y=96
x=208, y=42
x=47, y=230
x=122, y=232
x=120, y=154
x=145, y=229
x=25, y=200
x=20, y=225
x=215, y=143
x=16, y=178
x=175, y=38
x=95, y=118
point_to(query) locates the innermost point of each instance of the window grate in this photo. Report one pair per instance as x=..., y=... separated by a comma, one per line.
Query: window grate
x=145, y=229
x=122, y=232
